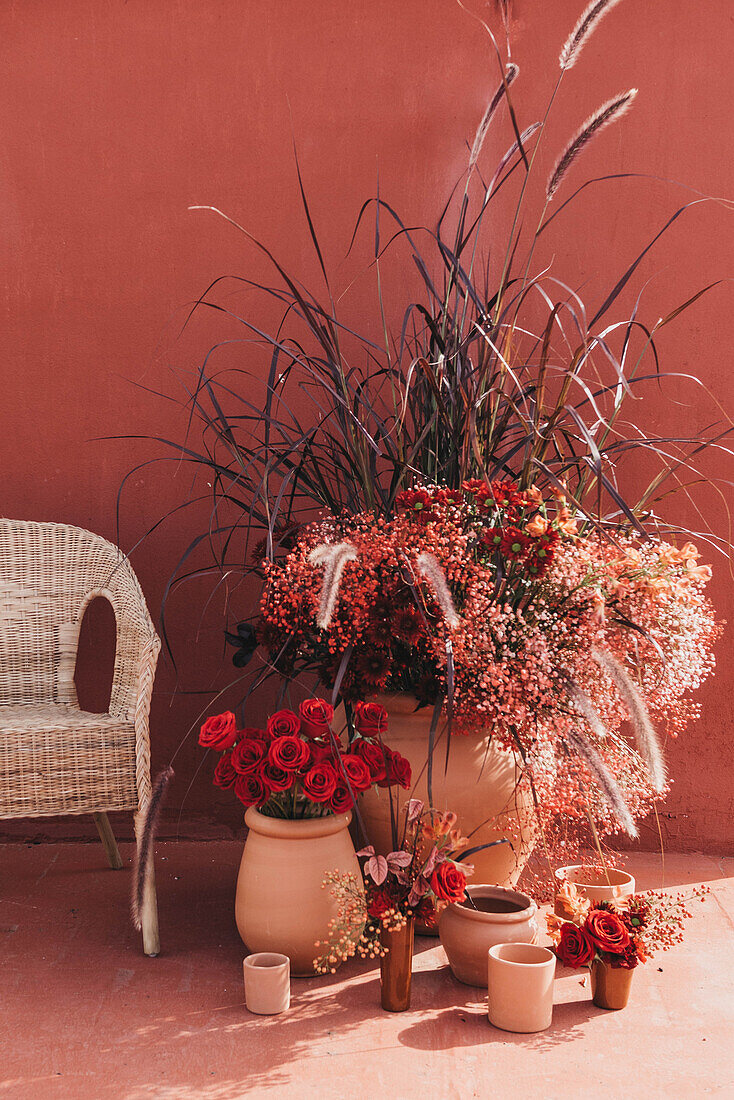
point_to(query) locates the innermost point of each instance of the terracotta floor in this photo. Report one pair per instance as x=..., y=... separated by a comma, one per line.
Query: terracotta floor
x=83, y=1014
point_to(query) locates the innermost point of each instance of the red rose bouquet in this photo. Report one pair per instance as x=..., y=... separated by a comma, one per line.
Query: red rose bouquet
x=621, y=936
x=297, y=766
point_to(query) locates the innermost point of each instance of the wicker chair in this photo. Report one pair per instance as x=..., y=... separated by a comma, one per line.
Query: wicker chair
x=54, y=757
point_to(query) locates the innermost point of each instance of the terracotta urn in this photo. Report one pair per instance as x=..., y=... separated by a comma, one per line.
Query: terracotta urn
x=480, y=785
x=595, y=884
x=467, y=933
x=610, y=985
x=280, y=905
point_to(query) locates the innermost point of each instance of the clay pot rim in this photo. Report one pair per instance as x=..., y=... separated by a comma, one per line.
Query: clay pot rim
x=479, y=890
x=400, y=702
x=299, y=829
x=624, y=878
x=543, y=960
x=255, y=961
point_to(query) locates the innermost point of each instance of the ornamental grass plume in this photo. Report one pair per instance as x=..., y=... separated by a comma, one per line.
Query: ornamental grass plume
x=609, y=112
x=648, y=744
x=588, y=21
x=608, y=785
x=511, y=73
x=333, y=558
x=432, y=572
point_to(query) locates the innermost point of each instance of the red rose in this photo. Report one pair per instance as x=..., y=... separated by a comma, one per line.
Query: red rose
x=316, y=717
x=252, y=733
x=448, y=882
x=283, y=724
x=219, y=732
x=250, y=790
x=247, y=756
x=607, y=931
x=356, y=771
x=379, y=902
x=320, y=782
x=373, y=756
x=224, y=774
x=399, y=772
x=322, y=751
x=341, y=800
x=574, y=949
x=289, y=753
x=370, y=719
x=277, y=779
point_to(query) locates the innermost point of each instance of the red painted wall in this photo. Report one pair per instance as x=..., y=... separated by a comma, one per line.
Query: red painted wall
x=116, y=117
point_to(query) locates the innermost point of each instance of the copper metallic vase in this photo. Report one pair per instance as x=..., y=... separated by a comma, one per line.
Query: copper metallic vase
x=396, y=967
x=610, y=985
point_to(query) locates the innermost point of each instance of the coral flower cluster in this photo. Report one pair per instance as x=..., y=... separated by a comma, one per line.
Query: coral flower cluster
x=559, y=640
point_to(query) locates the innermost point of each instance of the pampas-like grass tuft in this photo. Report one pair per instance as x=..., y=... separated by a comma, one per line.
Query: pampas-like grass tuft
x=646, y=738
x=432, y=572
x=609, y=112
x=144, y=850
x=589, y=20
x=333, y=557
x=591, y=756
x=510, y=74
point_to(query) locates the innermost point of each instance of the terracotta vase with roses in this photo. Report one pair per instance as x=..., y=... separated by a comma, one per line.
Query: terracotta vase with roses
x=298, y=782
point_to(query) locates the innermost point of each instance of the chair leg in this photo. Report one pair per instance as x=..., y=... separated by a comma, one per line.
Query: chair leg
x=149, y=908
x=108, y=840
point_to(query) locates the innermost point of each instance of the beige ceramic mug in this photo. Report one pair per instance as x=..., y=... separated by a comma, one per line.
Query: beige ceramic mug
x=520, y=986
x=267, y=983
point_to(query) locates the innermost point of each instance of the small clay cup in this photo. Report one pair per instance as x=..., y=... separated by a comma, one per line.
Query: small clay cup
x=520, y=987
x=595, y=884
x=267, y=983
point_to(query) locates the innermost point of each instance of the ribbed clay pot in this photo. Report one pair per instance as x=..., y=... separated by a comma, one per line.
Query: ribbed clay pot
x=595, y=884
x=502, y=916
x=280, y=905
x=480, y=786
x=610, y=985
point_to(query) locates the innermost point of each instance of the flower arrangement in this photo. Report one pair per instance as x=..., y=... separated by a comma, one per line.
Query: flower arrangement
x=499, y=602
x=620, y=936
x=499, y=537
x=297, y=767
x=422, y=875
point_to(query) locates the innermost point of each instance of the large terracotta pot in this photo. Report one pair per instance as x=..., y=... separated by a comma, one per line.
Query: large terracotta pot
x=280, y=905
x=501, y=916
x=480, y=786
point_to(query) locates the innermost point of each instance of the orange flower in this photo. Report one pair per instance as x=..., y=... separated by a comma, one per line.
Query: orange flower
x=537, y=526
x=698, y=572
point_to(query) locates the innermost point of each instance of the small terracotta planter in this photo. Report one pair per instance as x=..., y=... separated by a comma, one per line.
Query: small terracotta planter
x=280, y=905
x=267, y=983
x=396, y=967
x=520, y=986
x=501, y=916
x=610, y=985
x=595, y=884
